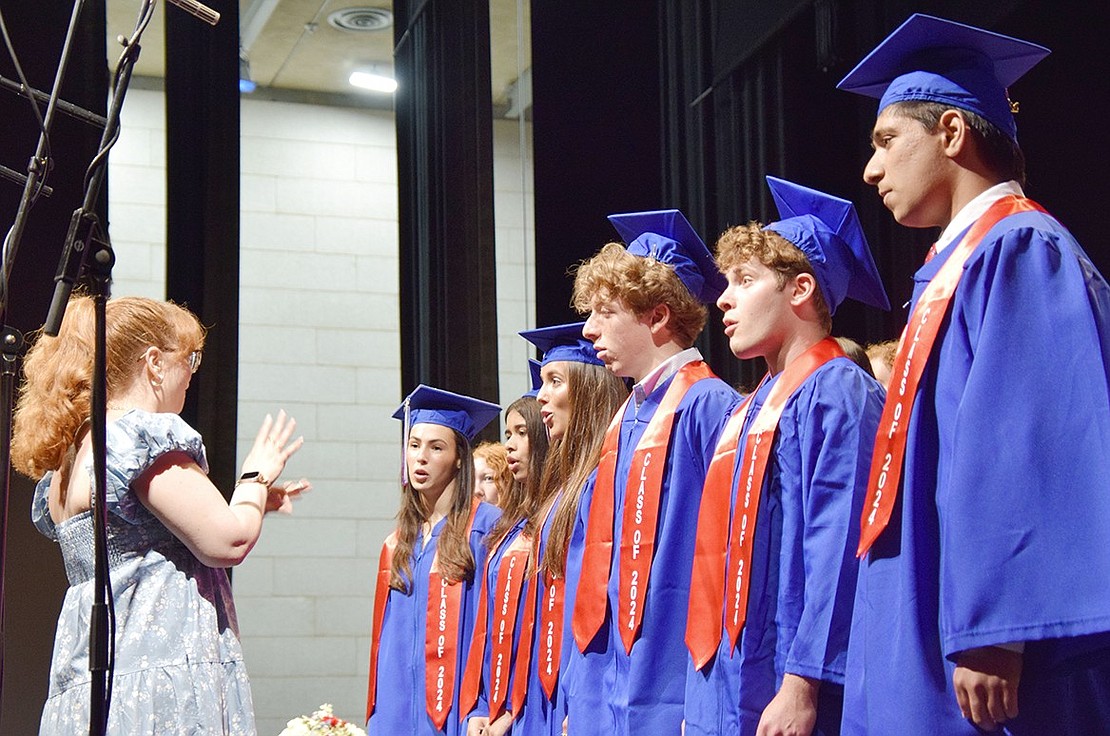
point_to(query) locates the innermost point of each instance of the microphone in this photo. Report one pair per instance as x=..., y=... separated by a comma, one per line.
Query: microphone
x=197, y=10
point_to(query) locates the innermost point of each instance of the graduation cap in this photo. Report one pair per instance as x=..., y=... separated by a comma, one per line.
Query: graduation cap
x=563, y=343
x=938, y=60
x=534, y=377
x=427, y=405
x=828, y=231
x=668, y=237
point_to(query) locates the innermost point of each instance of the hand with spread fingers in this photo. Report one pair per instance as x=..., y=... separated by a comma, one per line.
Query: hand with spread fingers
x=271, y=450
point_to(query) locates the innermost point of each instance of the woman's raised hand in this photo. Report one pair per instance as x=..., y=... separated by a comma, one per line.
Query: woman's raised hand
x=271, y=450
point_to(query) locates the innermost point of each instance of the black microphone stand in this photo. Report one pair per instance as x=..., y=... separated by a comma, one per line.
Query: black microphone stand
x=85, y=237
x=11, y=345
x=11, y=340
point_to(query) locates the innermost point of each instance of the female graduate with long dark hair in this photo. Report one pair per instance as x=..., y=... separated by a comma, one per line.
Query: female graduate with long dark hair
x=578, y=398
x=426, y=599
x=489, y=698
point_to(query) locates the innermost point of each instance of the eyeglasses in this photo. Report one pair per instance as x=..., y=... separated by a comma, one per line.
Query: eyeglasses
x=193, y=359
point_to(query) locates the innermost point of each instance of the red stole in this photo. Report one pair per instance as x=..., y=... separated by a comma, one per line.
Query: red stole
x=510, y=578
x=441, y=635
x=524, y=652
x=914, y=349
x=551, y=628
x=641, y=516
x=381, y=596
x=551, y=624
x=550, y=597
x=713, y=552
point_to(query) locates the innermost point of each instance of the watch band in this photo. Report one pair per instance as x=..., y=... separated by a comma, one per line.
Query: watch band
x=253, y=476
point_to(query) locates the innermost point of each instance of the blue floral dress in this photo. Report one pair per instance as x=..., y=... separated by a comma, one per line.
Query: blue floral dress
x=179, y=666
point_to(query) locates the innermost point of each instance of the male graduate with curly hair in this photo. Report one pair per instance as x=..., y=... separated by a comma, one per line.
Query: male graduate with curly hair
x=646, y=305
x=774, y=565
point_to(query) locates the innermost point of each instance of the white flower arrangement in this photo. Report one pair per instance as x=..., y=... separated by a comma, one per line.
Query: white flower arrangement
x=322, y=722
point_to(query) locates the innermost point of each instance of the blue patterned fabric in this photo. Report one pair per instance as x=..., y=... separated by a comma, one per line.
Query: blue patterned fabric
x=179, y=666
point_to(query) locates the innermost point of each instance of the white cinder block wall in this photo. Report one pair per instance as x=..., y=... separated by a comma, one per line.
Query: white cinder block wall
x=319, y=337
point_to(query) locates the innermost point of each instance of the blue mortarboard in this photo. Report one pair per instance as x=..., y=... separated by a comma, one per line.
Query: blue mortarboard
x=534, y=374
x=563, y=342
x=668, y=237
x=827, y=230
x=427, y=405
x=938, y=60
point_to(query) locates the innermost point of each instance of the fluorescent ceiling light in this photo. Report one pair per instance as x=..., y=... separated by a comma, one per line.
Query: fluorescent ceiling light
x=373, y=81
x=246, y=84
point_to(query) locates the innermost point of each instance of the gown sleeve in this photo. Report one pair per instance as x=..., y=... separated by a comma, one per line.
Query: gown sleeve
x=1023, y=484
x=838, y=418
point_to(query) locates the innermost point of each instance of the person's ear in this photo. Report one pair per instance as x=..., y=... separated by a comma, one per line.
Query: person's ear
x=804, y=286
x=154, y=360
x=954, y=132
x=658, y=318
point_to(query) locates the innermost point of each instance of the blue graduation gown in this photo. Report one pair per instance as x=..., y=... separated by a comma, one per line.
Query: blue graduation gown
x=540, y=716
x=609, y=691
x=481, y=708
x=803, y=563
x=400, y=705
x=570, y=654
x=1000, y=530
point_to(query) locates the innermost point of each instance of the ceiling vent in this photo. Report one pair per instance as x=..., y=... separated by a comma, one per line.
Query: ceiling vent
x=361, y=19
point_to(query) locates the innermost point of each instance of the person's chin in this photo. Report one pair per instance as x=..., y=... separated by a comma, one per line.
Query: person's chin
x=907, y=217
x=740, y=348
x=617, y=369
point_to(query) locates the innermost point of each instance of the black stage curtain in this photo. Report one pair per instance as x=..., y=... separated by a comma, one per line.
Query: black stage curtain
x=735, y=113
x=445, y=178
x=35, y=579
x=202, y=214
x=596, y=126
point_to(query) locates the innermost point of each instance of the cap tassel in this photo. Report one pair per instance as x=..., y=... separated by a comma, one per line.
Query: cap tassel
x=406, y=426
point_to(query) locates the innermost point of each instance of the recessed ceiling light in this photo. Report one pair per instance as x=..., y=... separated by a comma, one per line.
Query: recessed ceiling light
x=374, y=81
x=361, y=19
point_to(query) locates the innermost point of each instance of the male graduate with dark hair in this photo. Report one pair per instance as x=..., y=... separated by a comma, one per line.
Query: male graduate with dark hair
x=646, y=305
x=773, y=581
x=984, y=593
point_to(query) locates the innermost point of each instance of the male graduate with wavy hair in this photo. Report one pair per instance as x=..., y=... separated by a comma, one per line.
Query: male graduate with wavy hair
x=646, y=305
x=774, y=565
x=983, y=599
